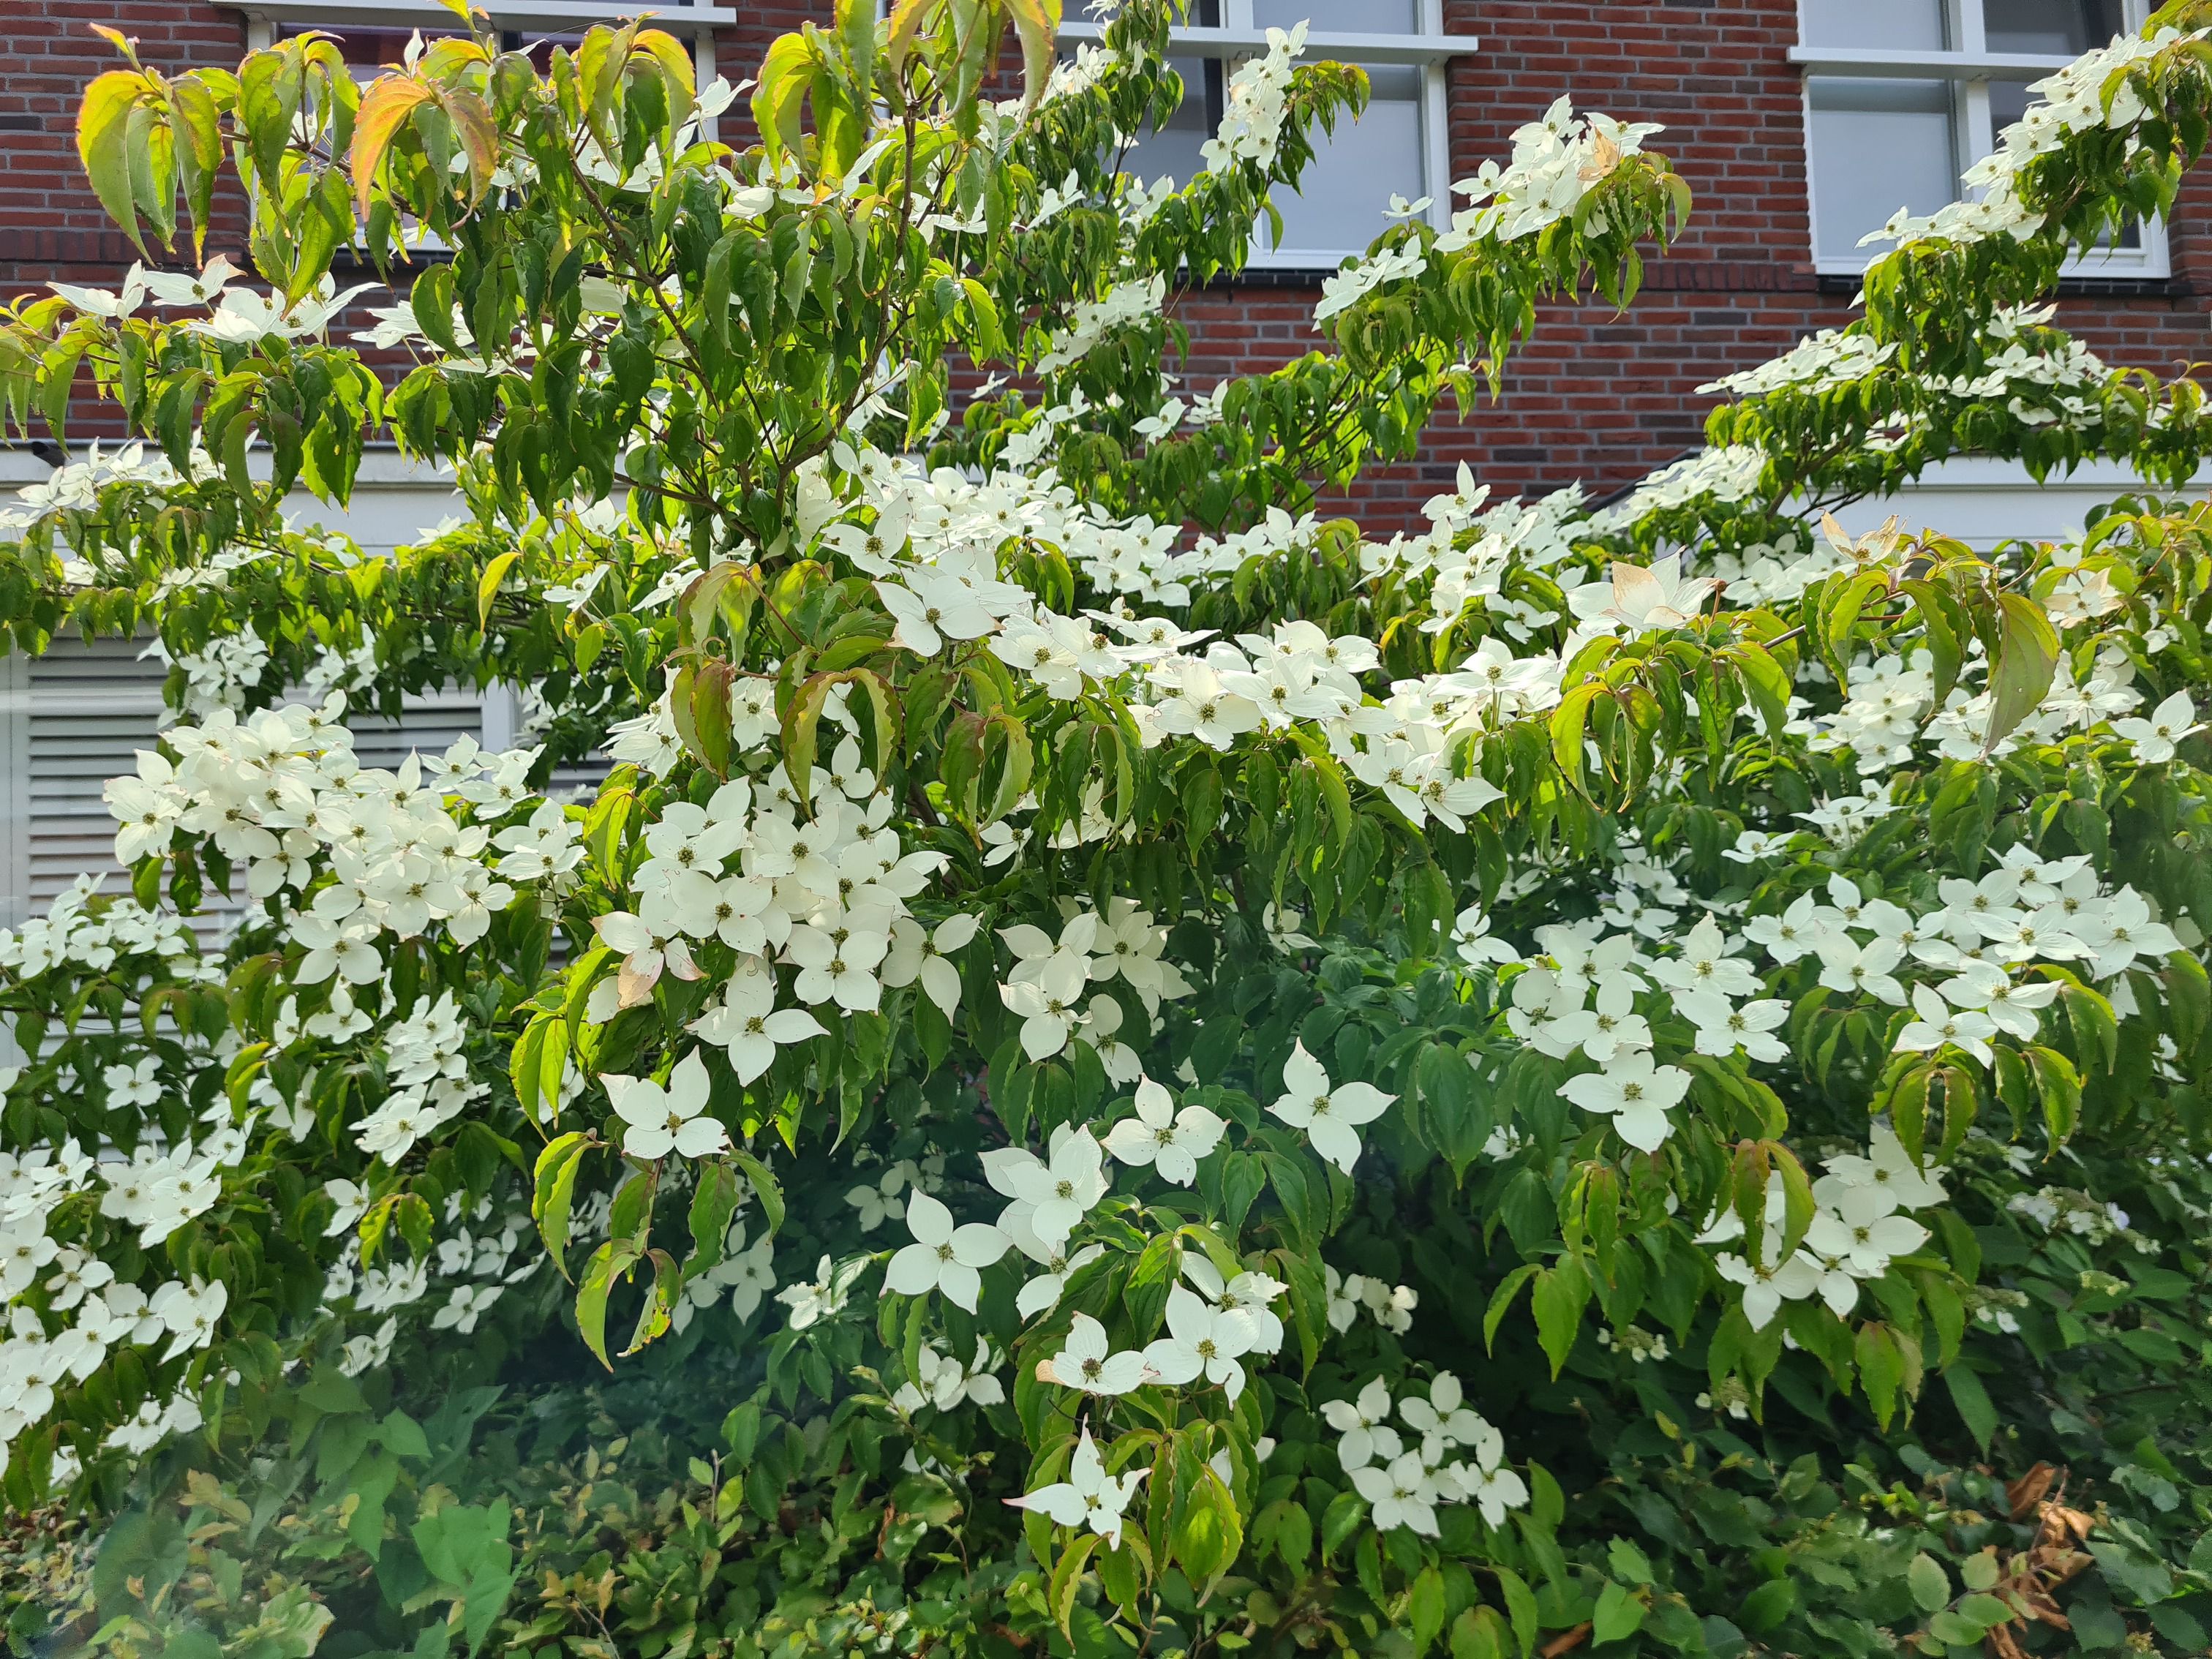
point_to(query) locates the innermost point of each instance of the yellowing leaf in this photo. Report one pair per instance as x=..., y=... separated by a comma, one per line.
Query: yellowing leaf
x=103, y=143
x=386, y=103
x=674, y=58
x=488, y=585
x=1037, y=22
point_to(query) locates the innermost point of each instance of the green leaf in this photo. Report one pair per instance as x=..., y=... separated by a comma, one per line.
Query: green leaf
x=613, y=1260
x=1568, y=721
x=1426, y=1606
x=2027, y=661
x=1557, y=1298
x=1766, y=1607
x=1619, y=1613
x=1881, y=1369
x=2059, y=1085
x=1211, y=1532
x=766, y=1187
x=1067, y=1578
x=1520, y=1607
x=1345, y=1514
x=1478, y=1633
x=1929, y=1584
x=1037, y=22
x=556, y=1192
x=713, y=1202
x=1974, y=1407
x=1501, y=1301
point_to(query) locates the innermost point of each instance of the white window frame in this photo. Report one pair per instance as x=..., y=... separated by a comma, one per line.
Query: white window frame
x=1238, y=37
x=681, y=18
x=1970, y=67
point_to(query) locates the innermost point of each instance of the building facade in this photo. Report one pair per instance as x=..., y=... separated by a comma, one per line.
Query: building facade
x=1800, y=125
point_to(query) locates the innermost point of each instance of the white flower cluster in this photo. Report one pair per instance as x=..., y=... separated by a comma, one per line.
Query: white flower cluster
x=77, y=933
x=822, y=890
x=1467, y=556
x=2059, y=106
x=75, y=486
x=2068, y=1210
x=2025, y=911
x=1390, y=1306
x=1858, y=1228
x=238, y=316
x=944, y=1384
x=1252, y=121
x=1555, y=162
x=1773, y=573
x=1725, y=475
x=1094, y=320
x=1213, y=1323
x=1047, y=985
x=280, y=794
x=1818, y=363
x=1344, y=289
x=1457, y=1456
x=156, y=1191
x=1581, y=997
x=1886, y=716
x=221, y=676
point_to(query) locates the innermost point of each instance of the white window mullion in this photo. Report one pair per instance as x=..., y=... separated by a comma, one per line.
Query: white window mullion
x=1436, y=122
x=1436, y=139
x=1968, y=33
x=1976, y=133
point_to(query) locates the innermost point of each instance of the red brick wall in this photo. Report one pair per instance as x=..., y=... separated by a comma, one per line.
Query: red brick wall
x=50, y=226
x=1595, y=396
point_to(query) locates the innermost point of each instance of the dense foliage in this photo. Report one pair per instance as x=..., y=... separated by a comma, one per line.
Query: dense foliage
x=1114, y=1066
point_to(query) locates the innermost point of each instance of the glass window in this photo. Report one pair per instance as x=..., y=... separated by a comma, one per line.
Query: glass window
x=1172, y=150
x=1339, y=207
x=1903, y=25
x=1885, y=134
x=2065, y=28
x=1339, y=16
x=1897, y=134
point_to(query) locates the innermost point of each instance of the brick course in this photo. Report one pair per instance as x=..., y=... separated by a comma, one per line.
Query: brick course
x=1595, y=396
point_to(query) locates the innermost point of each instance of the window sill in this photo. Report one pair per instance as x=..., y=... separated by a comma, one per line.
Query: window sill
x=2072, y=285
x=552, y=15
x=1886, y=64
x=1360, y=47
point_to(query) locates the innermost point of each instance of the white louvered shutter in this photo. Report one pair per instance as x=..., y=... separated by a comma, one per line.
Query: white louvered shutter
x=85, y=711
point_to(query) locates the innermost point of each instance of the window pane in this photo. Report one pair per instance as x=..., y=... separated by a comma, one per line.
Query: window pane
x=1339, y=207
x=1877, y=146
x=2065, y=28
x=1172, y=151
x=1896, y=25
x=1339, y=16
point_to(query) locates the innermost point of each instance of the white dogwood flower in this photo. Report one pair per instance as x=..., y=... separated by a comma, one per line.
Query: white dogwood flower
x=1087, y=1361
x=1202, y=1341
x=1088, y=1497
x=1330, y=1116
x=1171, y=1142
x=1636, y=1093
x=667, y=1120
x=943, y=1257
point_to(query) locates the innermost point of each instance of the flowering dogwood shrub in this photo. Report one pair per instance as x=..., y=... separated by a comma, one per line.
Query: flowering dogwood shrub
x=1114, y=1064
